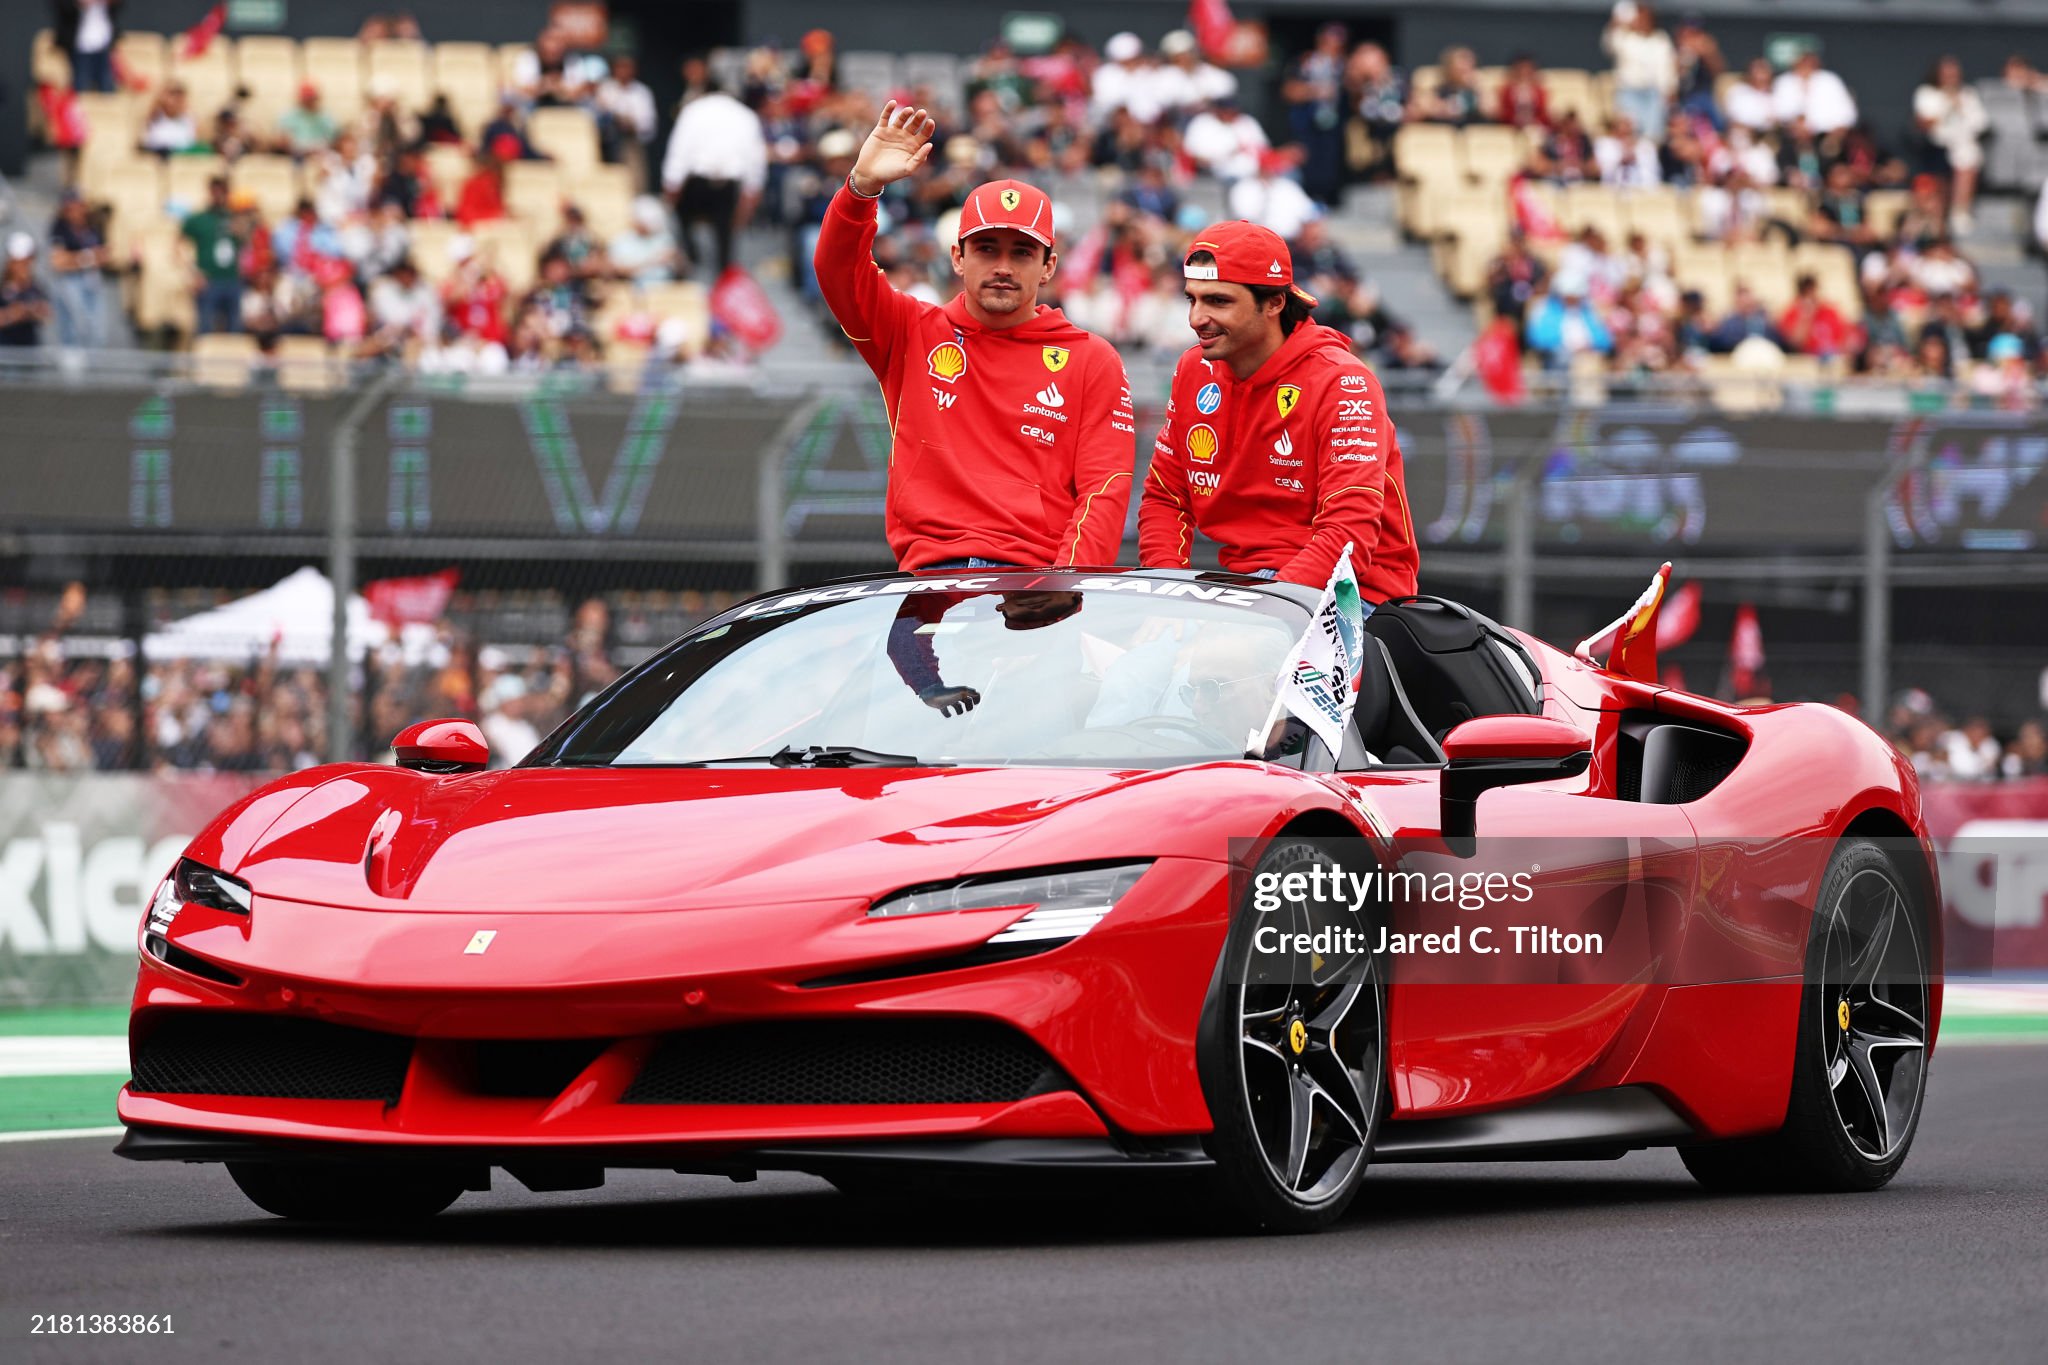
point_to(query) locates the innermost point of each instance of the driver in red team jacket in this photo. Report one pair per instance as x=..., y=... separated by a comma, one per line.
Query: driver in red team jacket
x=1277, y=443
x=1012, y=439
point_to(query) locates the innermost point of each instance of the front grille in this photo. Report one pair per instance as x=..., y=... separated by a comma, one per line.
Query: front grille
x=847, y=1061
x=537, y=1069
x=270, y=1058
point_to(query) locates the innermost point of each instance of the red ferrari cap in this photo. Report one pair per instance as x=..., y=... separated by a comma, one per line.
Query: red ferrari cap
x=1245, y=253
x=1008, y=204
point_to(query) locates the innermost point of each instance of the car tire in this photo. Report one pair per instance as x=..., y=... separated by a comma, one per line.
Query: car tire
x=1292, y=1056
x=1859, y=1073
x=336, y=1193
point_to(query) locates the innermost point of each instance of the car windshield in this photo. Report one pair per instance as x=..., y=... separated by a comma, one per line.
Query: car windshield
x=1128, y=672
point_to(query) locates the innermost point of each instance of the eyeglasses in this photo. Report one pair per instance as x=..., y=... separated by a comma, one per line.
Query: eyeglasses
x=1209, y=690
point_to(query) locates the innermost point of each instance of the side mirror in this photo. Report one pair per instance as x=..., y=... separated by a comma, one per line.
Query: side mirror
x=1504, y=751
x=442, y=747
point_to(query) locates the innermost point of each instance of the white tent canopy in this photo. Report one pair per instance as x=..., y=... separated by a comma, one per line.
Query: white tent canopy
x=296, y=612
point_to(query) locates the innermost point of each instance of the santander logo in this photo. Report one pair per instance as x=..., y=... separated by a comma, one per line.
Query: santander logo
x=1284, y=446
x=1051, y=396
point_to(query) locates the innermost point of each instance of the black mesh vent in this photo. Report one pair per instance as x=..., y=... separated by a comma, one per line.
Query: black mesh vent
x=1694, y=776
x=285, y=1059
x=540, y=1069
x=847, y=1061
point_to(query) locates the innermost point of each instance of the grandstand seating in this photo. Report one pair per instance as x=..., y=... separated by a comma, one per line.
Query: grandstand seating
x=144, y=194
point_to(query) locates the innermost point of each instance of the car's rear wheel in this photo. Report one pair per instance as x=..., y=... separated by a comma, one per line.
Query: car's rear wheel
x=1293, y=1055
x=1860, y=1072
x=323, y=1192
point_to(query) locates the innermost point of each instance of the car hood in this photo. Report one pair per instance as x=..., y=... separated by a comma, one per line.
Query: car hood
x=652, y=839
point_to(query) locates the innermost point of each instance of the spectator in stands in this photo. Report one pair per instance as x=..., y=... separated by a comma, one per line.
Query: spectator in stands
x=1314, y=94
x=1645, y=66
x=24, y=308
x=1188, y=81
x=2027, y=755
x=577, y=244
x=1746, y=319
x=1125, y=80
x=646, y=252
x=1731, y=209
x=343, y=177
x=78, y=260
x=305, y=128
x=1523, y=102
x=1802, y=162
x=2005, y=376
x=1939, y=270
x=1811, y=325
x=217, y=233
x=627, y=116
x=1563, y=324
x=560, y=303
x=385, y=127
x=1752, y=102
x=168, y=127
x=1700, y=67
x=1691, y=337
x=1950, y=115
x=1379, y=100
x=231, y=139
x=1933, y=358
x=482, y=199
x=504, y=137
x=1838, y=213
x=1515, y=277
x=85, y=32
x=438, y=125
x=406, y=183
x=1225, y=141
x=2003, y=317
x=716, y=164
x=1273, y=198
x=1627, y=157
x=1947, y=322
x=1455, y=97
x=1817, y=94
x=302, y=241
x=403, y=309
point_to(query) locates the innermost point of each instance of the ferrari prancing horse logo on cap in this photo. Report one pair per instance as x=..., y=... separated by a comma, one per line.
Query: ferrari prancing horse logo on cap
x=1285, y=397
x=1055, y=356
x=1010, y=199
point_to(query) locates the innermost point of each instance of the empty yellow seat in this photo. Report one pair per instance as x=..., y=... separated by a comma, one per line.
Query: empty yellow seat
x=568, y=137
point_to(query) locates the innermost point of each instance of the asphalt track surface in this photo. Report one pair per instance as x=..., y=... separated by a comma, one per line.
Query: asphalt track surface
x=1623, y=1261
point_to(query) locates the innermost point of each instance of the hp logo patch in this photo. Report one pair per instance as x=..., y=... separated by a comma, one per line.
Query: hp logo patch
x=1209, y=399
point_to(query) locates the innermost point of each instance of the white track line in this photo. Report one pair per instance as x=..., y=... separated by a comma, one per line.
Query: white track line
x=64, y=1055
x=46, y=1133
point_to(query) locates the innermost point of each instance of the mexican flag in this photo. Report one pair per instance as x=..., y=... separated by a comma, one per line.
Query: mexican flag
x=1318, y=684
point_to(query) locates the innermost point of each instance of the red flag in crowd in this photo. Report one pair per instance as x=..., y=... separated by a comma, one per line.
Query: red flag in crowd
x=741, y=306
x=1214, y=25
x=1679, y=618
x=1745, y=652
x=1498, y=357
x=200, y=36
x=403, y=601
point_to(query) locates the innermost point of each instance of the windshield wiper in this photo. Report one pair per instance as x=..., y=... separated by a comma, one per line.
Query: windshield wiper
x=810, y=756
x=845, y=756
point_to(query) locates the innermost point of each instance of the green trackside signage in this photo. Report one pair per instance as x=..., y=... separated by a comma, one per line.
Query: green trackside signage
x=80, y=856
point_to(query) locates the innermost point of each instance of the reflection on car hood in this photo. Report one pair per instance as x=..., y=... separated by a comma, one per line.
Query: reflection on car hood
x=556, y=839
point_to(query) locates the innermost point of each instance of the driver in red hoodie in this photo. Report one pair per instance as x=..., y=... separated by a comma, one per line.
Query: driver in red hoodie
x=1277, y=442
x=1013, y=439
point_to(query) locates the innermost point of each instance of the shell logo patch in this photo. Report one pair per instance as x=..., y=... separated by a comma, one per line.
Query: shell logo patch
x=1010, y=199
x=1202, y=444
x=1297, y=1036
x=1056, y=358
x=1285, y=397
x=947, y=361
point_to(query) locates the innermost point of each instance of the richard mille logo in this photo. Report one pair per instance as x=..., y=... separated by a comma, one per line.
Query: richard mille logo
x=480, y=942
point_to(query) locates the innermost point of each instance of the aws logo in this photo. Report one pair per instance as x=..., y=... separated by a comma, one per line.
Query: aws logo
x=1202, y=444
x=947, y=361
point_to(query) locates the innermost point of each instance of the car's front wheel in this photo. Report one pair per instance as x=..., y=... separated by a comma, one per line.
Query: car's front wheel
x=322, y=1192
x=1860, y=1072
x=1293, y=1052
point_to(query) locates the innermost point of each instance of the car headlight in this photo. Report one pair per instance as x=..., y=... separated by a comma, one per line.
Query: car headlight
x=1059, y=903
x=193, y=883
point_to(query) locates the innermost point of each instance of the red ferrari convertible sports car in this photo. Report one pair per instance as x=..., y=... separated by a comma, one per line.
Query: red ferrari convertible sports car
x=1019, y=870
